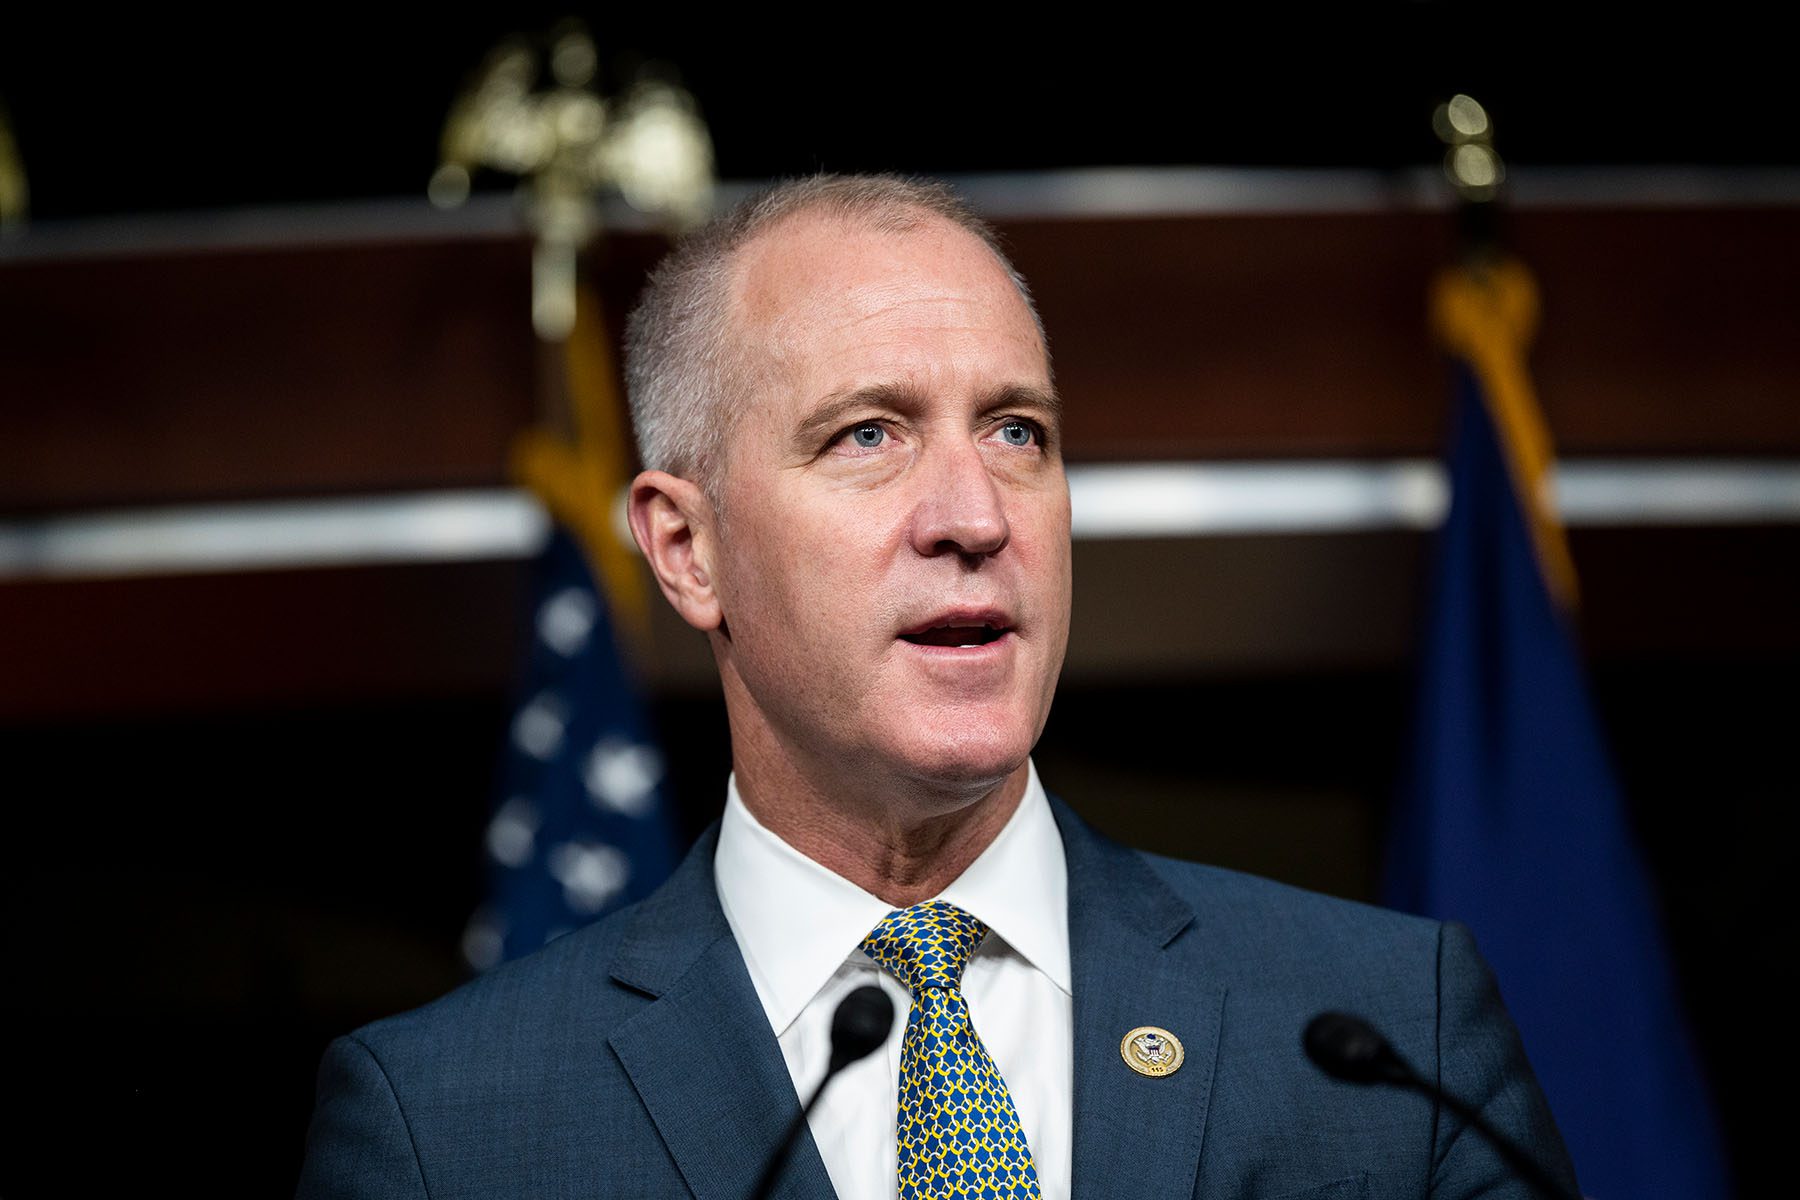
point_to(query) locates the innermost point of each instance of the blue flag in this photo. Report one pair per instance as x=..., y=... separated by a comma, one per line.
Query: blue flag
x=580, y=825
x=1511, y=820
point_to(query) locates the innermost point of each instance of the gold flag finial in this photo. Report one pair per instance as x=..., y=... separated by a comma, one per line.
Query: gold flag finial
x=15, y=195
x=1471, y=164
x=569, y=144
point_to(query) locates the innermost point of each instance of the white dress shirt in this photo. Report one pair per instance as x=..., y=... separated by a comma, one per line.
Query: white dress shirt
x=799, y=926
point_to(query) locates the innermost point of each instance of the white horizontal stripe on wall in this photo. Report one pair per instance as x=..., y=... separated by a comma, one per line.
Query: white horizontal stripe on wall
x=1109, y=500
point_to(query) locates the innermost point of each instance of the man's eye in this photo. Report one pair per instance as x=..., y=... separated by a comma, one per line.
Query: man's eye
x=867, y=437
x=1018, y=433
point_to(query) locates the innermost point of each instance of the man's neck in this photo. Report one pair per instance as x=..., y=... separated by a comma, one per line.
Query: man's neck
x=904, y=842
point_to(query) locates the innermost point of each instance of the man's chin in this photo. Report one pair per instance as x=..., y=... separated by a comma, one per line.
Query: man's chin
x=963, y=764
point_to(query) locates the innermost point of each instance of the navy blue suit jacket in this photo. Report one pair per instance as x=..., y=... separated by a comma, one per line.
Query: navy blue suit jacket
x=632, y=1058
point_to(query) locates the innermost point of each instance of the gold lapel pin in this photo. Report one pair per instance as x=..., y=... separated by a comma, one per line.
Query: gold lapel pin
x=1152, y=1051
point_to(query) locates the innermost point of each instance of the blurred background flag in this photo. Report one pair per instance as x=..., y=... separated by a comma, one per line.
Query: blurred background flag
x=580, y=825
x=1511, y=820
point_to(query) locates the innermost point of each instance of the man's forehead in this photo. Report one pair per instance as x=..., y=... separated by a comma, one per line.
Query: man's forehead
x=811, y=265
x=827, y=307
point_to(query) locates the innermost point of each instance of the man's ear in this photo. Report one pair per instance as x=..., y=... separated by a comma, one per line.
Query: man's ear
x=673, y=522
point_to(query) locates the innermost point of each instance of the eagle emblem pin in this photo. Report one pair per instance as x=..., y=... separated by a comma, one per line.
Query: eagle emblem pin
x=1152, y=1051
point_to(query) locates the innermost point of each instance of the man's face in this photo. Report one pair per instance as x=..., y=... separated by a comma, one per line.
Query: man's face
x=893, y=568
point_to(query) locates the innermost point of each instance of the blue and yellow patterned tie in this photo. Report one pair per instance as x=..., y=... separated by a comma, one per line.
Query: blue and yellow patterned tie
x=959, y=1135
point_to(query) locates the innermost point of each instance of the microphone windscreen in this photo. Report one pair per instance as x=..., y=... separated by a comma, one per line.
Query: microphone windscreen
x=1349, y=1048
x=860, y=1024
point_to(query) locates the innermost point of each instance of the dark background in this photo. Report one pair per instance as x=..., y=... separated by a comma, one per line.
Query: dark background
x=200, y=889
x=136, y=114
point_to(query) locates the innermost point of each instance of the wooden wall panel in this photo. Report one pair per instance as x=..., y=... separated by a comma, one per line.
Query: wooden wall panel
x=345, y=368
x=1238, y=336
x=1664, y=332
x=234, y=374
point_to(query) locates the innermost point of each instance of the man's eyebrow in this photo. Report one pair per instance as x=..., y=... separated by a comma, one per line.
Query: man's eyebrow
x=835, y=410
x=1024, y=396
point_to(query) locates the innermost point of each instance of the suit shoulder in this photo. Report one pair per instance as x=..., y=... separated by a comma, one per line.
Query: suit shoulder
x=520, y=1000
x=1291, y=922
x=502, y=1071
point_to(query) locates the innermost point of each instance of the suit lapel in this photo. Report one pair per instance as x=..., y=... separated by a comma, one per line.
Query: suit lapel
x=1131, y=966
x=703, y=1059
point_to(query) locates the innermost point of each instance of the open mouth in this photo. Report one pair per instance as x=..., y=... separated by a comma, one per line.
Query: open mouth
x=958, y=636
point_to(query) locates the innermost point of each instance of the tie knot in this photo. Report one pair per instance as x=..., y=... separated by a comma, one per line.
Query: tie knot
x=927, y=945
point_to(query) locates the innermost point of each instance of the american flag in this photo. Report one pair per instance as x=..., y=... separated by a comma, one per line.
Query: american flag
x=580, y=825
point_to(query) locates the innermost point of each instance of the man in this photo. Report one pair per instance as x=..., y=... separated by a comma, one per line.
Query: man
x=843, y=395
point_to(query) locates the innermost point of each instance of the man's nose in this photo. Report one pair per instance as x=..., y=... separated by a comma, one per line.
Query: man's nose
x=961, y=510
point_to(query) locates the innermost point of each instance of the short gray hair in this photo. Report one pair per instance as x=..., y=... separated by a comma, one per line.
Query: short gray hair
x=682, y=369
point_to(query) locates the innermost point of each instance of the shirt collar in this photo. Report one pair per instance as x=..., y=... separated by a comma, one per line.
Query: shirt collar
x=1017, y=887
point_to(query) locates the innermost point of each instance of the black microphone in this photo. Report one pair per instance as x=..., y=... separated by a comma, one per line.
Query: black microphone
x=859, y=1025
x=1351, y=1049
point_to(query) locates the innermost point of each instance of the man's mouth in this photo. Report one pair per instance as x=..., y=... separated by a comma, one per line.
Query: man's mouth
x=959, y=632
